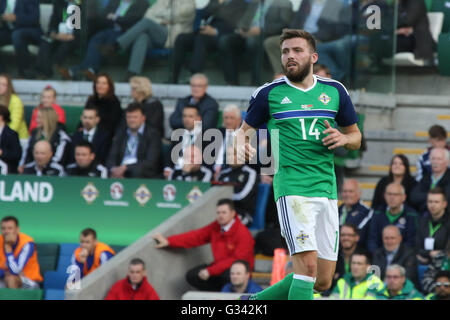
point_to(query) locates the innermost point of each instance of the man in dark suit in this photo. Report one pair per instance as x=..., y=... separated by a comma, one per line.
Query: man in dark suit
x=10, y=149
x=136, y=148
x=85, y=164
x=91, y=132
x=395, y=252
x=208, y=106
x=19, y=25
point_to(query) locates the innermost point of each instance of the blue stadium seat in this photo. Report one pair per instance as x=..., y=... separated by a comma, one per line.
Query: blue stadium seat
x=55, y=280
x=54, y=294
x=259, y=218
x=65, y=253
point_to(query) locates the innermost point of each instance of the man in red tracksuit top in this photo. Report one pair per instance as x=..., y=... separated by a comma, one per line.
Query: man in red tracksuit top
x=135, y=286
x=230, y=241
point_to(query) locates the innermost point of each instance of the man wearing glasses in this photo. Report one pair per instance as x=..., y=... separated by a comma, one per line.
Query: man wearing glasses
x=397, y=286
x=442, y=287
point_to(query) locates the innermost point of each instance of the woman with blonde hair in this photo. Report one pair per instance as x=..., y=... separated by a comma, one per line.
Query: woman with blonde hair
x=48, y=128
x=141, y=92
x=9, y=98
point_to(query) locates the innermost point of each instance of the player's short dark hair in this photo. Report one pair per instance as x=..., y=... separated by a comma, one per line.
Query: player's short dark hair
x=85, y=144
x=91, y=106
x=437, y=132
x=438, y=190
x=10, y=218
x=89, y=231
x=228, y=202
x=351, y=226
x=134, y=106
x=137, y=261
x=5, y=114
x=245, y=263
x=362, y=252
x=442, y=273
x=298, y=33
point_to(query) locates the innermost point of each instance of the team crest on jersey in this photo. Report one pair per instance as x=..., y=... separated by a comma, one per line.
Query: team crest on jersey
x=142, y=195
x=89, y=193
x=302, y=237
x=324, y=98
x=307, y=106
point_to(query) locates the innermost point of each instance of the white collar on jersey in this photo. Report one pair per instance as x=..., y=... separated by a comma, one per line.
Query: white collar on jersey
x=303, y=90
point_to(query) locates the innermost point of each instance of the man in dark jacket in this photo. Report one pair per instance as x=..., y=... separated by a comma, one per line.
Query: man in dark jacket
x=43, y=164
x=136, y=148
x=10, y=149
x=120, y=16
x=263, y=18
x=433, y=230
x=218, y=18
x=19, y=25
x=90, y=131
x=135, y=286
x=353, y=210
x=230, y=241
x=395, y=252
x=207, y=105
x=85, y=164
x=439, y=177
x=396, y=213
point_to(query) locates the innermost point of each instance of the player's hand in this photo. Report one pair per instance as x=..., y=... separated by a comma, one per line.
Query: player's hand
x=335, y=138
x=160, y=240
x=203, y=274
x=245, y=153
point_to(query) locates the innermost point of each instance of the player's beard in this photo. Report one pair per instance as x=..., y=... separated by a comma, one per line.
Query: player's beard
x=298, y=75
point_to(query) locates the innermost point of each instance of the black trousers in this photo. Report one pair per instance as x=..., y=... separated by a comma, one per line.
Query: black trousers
x=214, y=283
x=54, y=53
x=200, y=45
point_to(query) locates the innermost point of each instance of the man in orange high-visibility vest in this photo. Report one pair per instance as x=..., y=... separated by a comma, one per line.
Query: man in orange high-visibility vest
x=19, y=267
x=91, y=253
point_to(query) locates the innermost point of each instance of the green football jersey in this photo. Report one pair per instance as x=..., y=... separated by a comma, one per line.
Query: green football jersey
x=304, y=166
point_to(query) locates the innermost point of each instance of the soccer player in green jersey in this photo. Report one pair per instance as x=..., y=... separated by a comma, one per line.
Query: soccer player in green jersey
x=303, y=108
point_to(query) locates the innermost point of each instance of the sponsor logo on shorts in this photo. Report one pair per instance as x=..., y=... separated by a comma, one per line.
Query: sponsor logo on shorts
x=301, y=238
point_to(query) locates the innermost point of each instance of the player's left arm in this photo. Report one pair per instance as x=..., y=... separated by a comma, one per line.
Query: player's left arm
x=349, y=138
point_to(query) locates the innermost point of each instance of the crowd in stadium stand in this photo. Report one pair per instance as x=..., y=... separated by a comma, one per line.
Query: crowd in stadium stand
x=408, y=226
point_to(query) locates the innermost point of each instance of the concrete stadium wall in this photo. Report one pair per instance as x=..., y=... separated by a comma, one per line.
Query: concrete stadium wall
x=166, y=268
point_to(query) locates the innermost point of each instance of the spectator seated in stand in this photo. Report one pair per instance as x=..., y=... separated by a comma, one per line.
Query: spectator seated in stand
x=9, y=98
x=136, y=148
x=91, y=254
x=91, y=132
x=395, y=252
x=120, y=15
x=49, y=129
x=85, y=164
x=19, y=266
x=158, y=29
x=10, y=148
x=398, y=286
x=438, y=177
x=135, y=286
x=433, y=230
x=353, y=210
x=48, y=100
x=230, y=241
x=437, y=138
x=240, y=279
x=441, y=287
x=207, y=105
x=397, y=213
x=43, y=165
x=398, y=172
x=19, y=25
x=193, y=169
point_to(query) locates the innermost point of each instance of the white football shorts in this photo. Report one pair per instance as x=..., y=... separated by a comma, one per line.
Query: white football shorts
x=310, y=224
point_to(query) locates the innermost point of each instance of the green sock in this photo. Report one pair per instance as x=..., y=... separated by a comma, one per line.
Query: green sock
x=278, y=291
x=301, y=290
